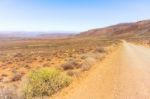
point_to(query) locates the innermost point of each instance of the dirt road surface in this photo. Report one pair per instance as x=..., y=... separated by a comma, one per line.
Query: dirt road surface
x=123, y=75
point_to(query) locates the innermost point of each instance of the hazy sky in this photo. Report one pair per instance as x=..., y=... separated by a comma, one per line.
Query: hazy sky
x=69, y=15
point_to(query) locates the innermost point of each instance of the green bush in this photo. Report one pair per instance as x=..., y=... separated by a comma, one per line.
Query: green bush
x=44, y=82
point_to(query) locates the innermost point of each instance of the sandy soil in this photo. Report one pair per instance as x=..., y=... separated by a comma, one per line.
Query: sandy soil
x=123, y=75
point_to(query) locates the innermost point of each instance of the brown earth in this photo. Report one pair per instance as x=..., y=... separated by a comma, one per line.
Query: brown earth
x=18, y=57
x=123, y=75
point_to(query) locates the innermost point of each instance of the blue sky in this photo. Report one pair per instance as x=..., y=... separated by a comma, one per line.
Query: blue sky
x=69, y=15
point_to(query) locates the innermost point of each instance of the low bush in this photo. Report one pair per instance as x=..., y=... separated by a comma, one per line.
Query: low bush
x=44, y=82
x=17, y=77
x=85, y=67
x=100, y=50
x=71, y=64
x=74, y=73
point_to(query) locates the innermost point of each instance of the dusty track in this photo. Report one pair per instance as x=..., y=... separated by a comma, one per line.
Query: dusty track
x=123, y=75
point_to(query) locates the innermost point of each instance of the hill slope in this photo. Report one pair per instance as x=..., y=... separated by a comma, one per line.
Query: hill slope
x=137, y=29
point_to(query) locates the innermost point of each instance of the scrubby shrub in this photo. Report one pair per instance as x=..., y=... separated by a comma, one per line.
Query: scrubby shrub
x=85, y=66
x=67, y=66
x=44, y=82
x=88, y=62
x=74, y=73
x=16, y=77
x=46, y=65
x=100, y=50
x=71, y=64
x=4, y=75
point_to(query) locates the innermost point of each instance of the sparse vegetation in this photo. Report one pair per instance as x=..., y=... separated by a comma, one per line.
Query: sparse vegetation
x=44, y=82
x=71, y=56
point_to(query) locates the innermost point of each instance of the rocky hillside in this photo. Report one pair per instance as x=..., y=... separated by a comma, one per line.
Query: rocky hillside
x=137, y=29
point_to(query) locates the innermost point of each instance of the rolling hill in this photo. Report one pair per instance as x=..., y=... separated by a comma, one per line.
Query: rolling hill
x=123, y=30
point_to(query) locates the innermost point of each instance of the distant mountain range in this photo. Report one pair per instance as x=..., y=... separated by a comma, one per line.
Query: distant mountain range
x=124, y=30
x=56, y=35
x=34, y=35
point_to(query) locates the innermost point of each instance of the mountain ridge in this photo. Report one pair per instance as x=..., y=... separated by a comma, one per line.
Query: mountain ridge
x=135, y=29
